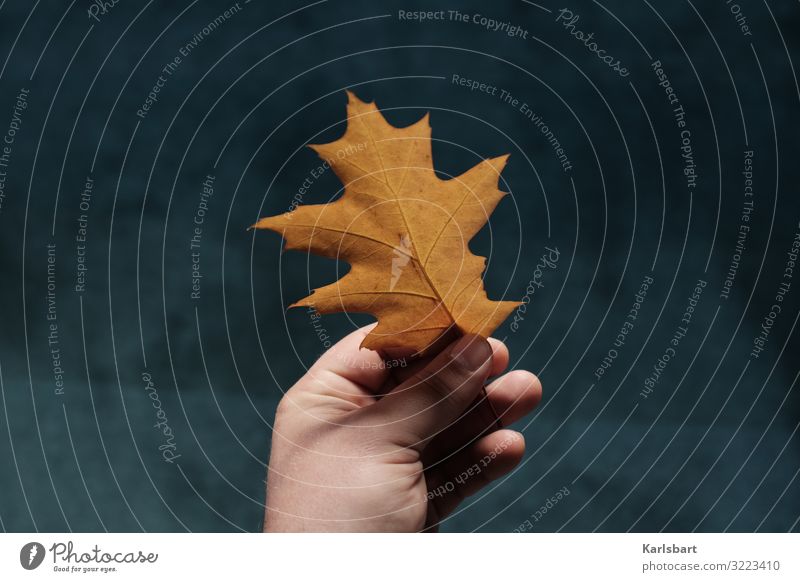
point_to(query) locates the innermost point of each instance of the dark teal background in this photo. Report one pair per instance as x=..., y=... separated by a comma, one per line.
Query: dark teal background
x=713, y=448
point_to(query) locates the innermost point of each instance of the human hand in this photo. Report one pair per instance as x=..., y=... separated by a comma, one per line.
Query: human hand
x=359, y=445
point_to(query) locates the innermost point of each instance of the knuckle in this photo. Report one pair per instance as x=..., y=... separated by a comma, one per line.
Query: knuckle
x=439, y=384
x=285, y=406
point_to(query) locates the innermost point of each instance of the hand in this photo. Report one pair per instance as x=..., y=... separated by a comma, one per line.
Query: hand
x=361, y=445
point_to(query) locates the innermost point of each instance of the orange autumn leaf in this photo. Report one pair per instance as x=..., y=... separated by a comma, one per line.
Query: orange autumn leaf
x=405, y=233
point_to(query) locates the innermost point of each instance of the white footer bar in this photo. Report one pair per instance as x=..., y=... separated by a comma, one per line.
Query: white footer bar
x=406, y=558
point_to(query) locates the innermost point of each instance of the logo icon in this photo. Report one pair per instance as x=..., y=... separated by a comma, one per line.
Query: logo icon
x=31, y=555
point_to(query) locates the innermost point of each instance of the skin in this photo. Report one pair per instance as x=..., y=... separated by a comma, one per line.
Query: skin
x=361, y=447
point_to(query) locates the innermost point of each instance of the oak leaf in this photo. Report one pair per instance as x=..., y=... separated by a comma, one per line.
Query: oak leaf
x=405, y=233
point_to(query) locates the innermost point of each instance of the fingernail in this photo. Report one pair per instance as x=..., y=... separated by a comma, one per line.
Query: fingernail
x=471, y=351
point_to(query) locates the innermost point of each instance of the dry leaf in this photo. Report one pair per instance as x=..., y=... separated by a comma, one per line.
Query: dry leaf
x=405, y=233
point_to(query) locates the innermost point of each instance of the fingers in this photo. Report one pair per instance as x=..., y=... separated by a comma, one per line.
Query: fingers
x=435, y=396
x=402, y=373
x=368, y=368
x=512, y=396
x=499, y=357
x=347, y=360
x=472, y=469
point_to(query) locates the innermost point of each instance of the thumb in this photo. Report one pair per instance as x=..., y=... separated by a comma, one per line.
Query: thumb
x=436, y=396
